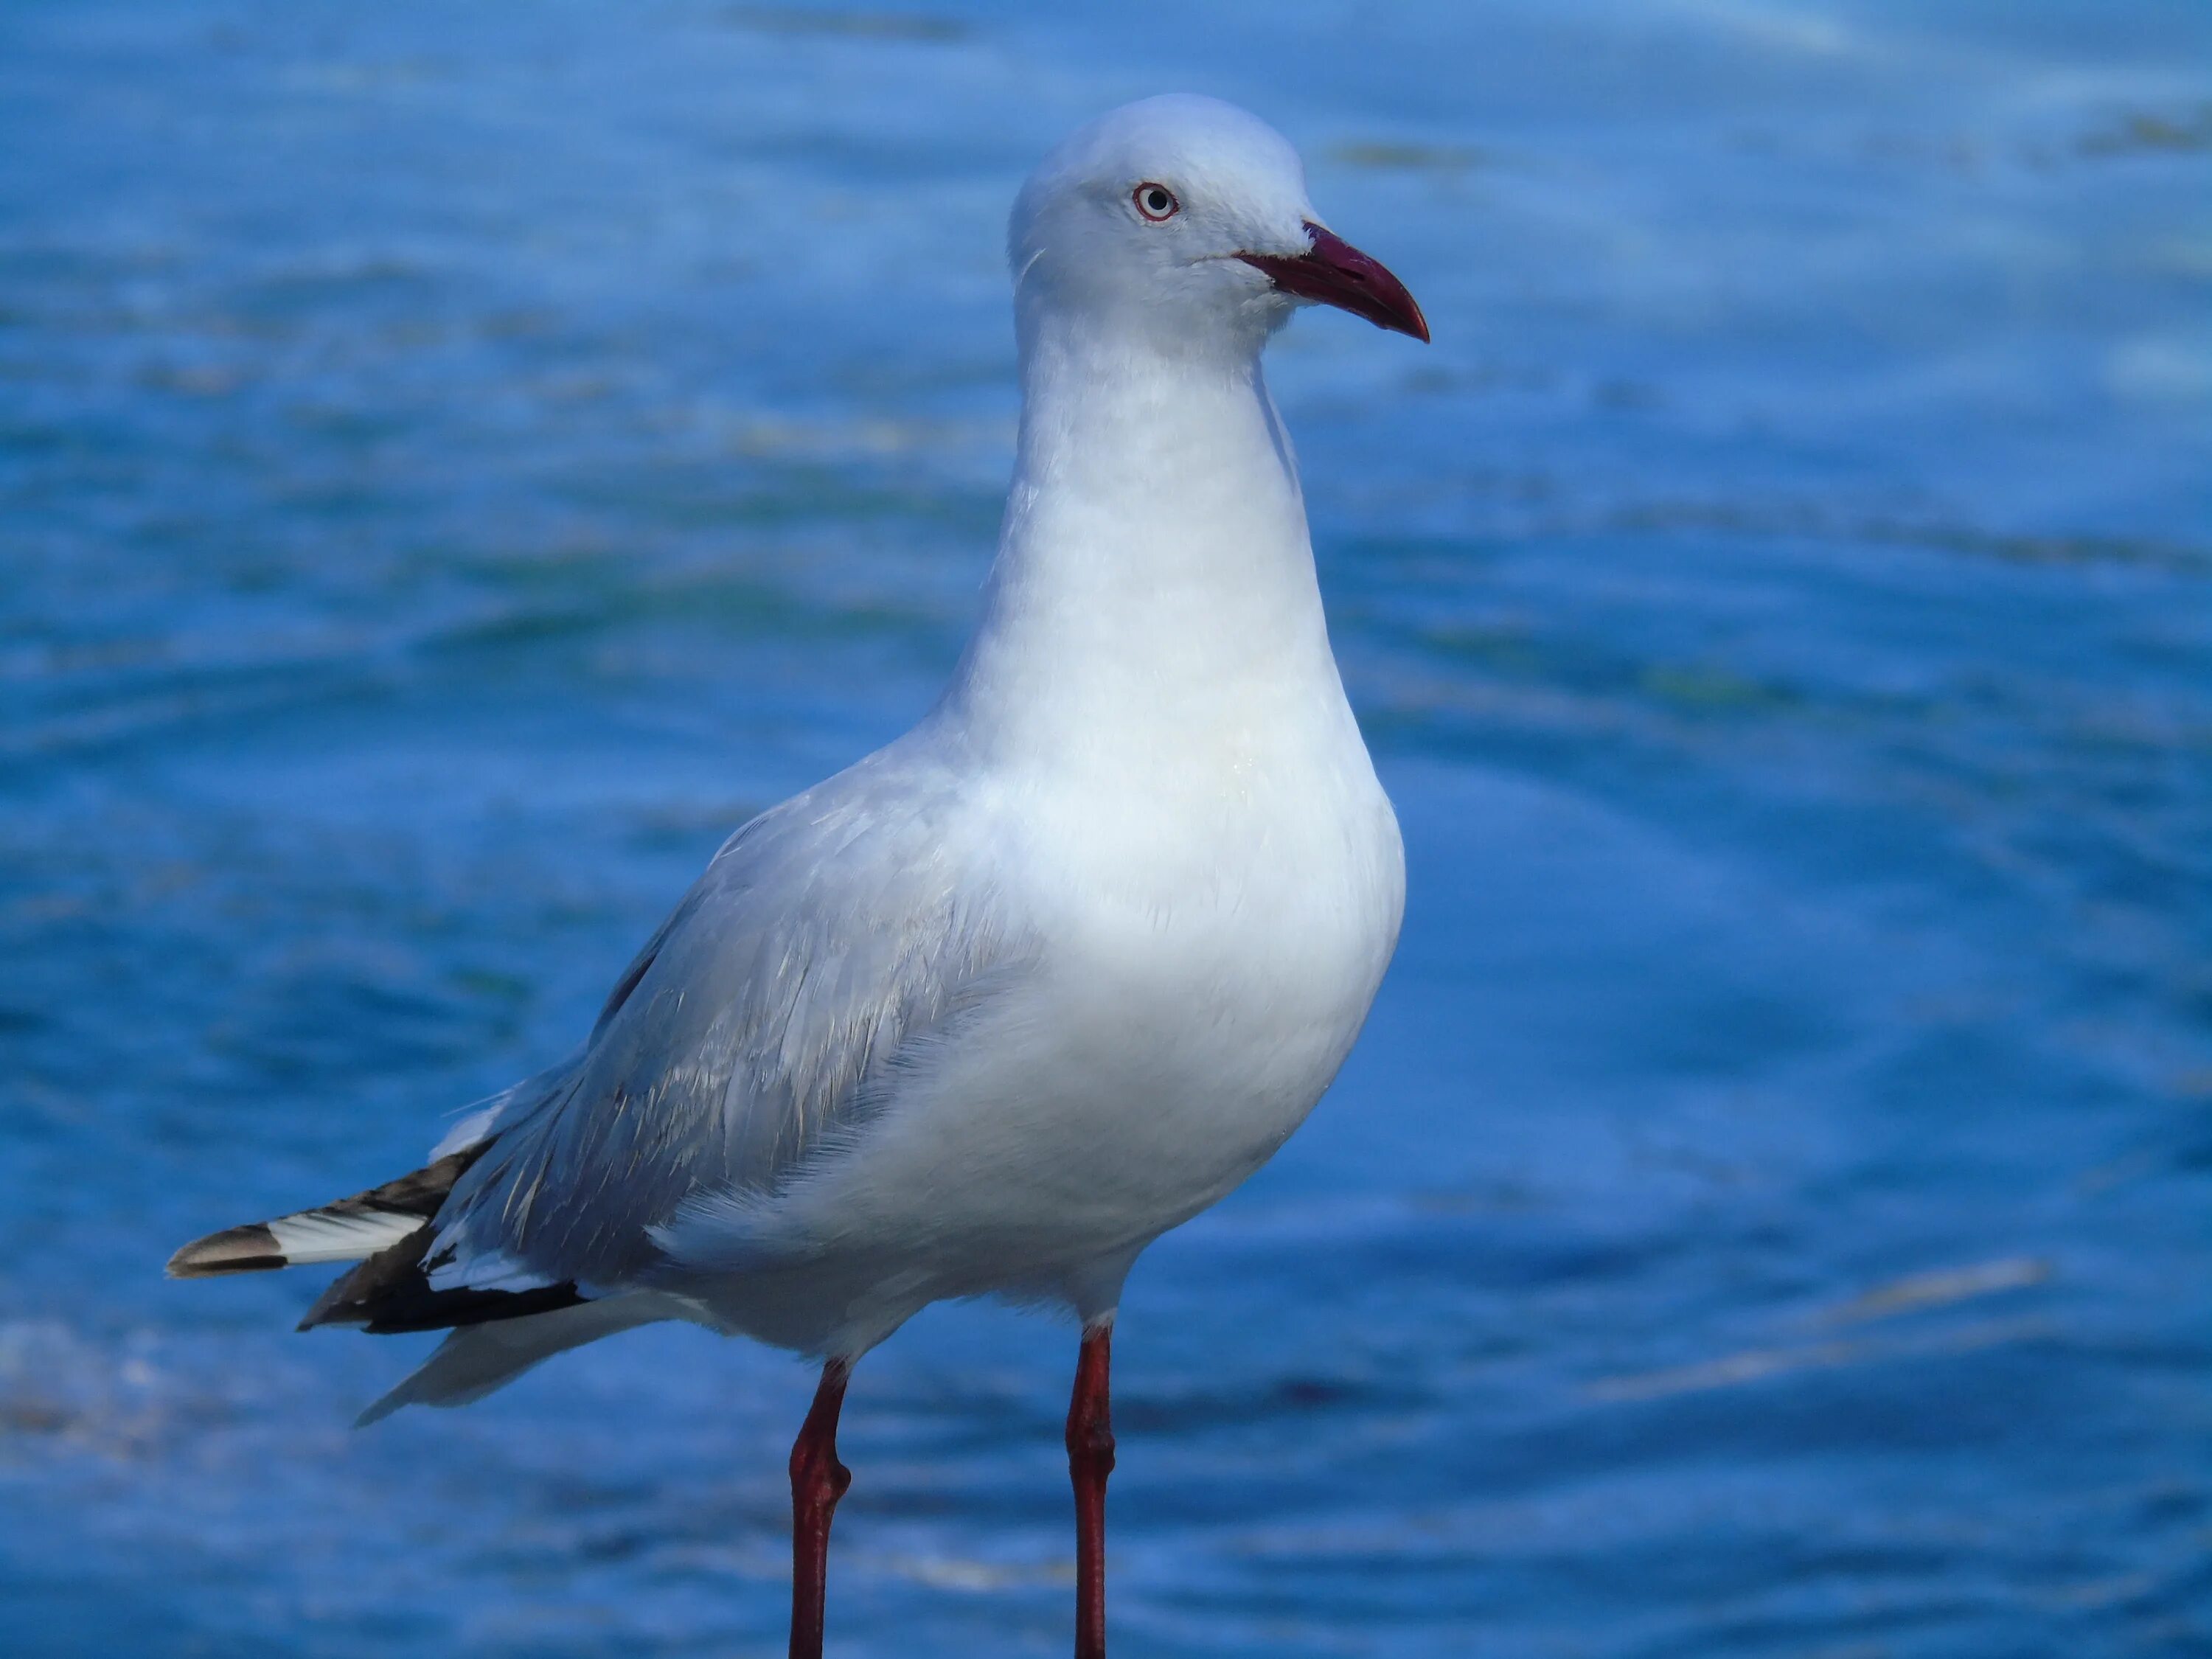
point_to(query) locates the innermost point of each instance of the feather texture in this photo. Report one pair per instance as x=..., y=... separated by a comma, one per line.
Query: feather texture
x=764, y=1025
x=347, y=1231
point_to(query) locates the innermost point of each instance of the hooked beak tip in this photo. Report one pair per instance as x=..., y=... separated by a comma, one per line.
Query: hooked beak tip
x=1334, y=272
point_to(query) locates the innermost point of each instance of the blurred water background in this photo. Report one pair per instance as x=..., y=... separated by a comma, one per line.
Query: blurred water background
x=458, y=462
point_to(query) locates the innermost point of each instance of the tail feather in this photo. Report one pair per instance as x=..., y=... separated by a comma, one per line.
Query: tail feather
x=348, y=1231
x=475, y=1359
x=387, y=1233
x=249, y=1249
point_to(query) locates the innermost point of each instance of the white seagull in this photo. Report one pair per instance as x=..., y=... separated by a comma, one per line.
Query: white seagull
x=993, y=1009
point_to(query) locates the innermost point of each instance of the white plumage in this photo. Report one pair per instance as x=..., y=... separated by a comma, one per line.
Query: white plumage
x=315, y=1235
x=993, y=1009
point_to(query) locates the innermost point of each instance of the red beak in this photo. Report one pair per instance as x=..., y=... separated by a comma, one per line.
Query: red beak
x=1338, y=274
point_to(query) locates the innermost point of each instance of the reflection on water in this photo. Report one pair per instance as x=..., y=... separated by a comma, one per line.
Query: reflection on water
x=455, y=464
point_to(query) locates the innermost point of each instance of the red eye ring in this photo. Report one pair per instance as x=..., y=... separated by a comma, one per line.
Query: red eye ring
x=1155, y=203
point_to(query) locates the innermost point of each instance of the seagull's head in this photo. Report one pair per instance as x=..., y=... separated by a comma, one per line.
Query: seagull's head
x=1185, y=221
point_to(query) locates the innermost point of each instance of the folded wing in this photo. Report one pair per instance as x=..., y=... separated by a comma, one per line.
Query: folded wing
x=763, y=1027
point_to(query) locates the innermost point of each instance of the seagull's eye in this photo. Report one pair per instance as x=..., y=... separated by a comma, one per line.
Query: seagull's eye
x=1156, y=202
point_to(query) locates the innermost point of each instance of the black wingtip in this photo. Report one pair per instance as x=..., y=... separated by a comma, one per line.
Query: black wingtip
x=251, y=1249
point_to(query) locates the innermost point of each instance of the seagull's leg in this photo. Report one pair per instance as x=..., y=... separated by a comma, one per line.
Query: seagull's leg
x=1090, y=1460
x=817, y=1481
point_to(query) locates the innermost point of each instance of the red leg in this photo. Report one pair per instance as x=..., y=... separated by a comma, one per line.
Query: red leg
x=1090, y=1460
x=817, y=1481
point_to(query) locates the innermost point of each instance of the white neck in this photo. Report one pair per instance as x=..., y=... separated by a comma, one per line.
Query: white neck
x=1154, y=573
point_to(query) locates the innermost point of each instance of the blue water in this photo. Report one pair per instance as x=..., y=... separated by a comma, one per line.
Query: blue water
x=457, y=462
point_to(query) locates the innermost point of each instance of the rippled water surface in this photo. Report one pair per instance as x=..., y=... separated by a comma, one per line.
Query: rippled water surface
x=457, y=462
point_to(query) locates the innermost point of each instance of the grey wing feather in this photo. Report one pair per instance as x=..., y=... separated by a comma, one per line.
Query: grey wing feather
x=762, y=1025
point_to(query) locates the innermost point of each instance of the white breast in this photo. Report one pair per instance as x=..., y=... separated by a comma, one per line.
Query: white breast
x=1225, y=985
x=1215, y=934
